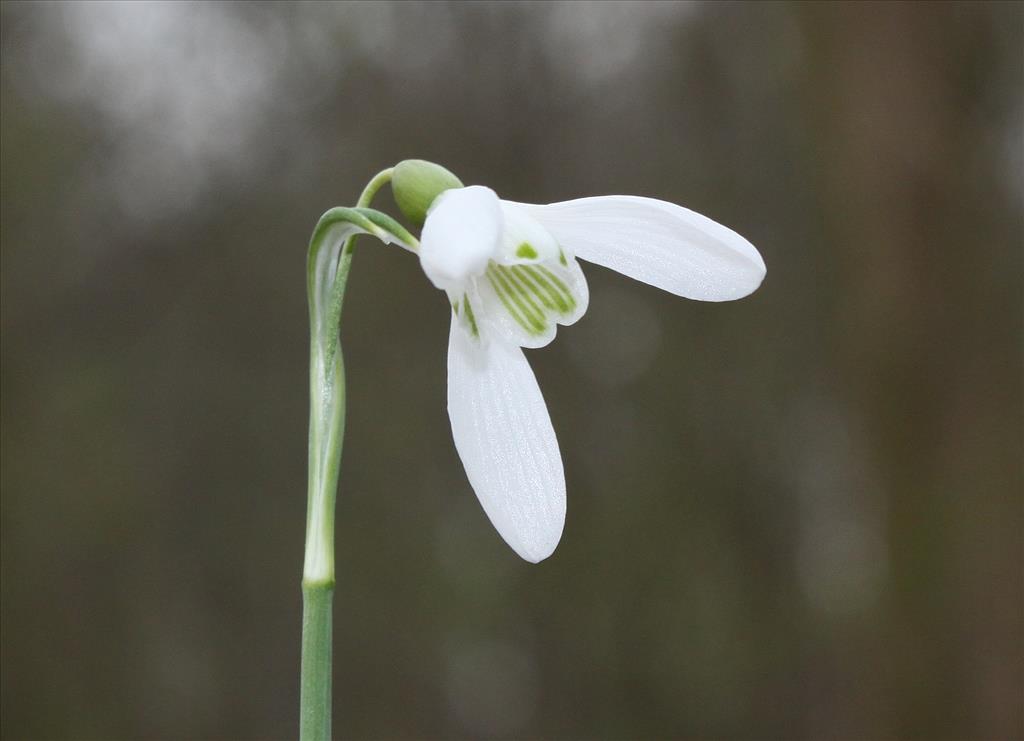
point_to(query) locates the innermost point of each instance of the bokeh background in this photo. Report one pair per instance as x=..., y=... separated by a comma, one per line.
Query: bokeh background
x=797, y=516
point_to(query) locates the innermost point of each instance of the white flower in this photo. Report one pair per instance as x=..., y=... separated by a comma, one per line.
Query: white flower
x=511, y=276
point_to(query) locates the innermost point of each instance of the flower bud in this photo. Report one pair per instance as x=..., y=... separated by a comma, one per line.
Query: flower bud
x=416, y=183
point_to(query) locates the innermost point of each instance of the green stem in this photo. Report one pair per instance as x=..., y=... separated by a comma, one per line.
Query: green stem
x=327, y=274
x=315, y=705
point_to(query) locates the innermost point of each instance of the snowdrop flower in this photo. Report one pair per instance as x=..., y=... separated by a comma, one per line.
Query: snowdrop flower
x=511, y=275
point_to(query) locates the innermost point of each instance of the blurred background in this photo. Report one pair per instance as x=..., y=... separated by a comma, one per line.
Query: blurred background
x=796, y=516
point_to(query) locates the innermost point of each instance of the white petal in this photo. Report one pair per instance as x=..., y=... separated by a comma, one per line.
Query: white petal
x=504, y=437
x=656, y=242
x=462, y=232
x=523, y=239
x=524, y=303
x=572, y=275
x=465, y=308
x=516, y=318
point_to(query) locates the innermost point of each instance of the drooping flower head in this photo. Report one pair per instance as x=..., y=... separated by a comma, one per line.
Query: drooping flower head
x=511, y=276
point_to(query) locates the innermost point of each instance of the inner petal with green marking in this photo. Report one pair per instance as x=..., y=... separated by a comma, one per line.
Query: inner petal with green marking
x=524, y=302
x=518, y=287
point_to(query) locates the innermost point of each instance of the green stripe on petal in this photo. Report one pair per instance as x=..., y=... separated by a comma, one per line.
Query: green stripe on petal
x=513, y=302
x=534, y=296
x=525, y=292
x=554, y=288
x=525, y=275
x=473, y=329
x=556, y=280
x=506, y=302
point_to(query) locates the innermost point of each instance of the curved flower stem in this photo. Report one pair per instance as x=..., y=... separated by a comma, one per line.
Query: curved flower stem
x=327, y=274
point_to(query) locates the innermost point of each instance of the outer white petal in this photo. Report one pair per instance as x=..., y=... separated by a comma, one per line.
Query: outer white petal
x=656, y=242
x=504, y=437
x=461, y=234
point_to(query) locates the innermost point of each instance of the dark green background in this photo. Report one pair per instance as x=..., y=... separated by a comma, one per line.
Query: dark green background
x=796, y=516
